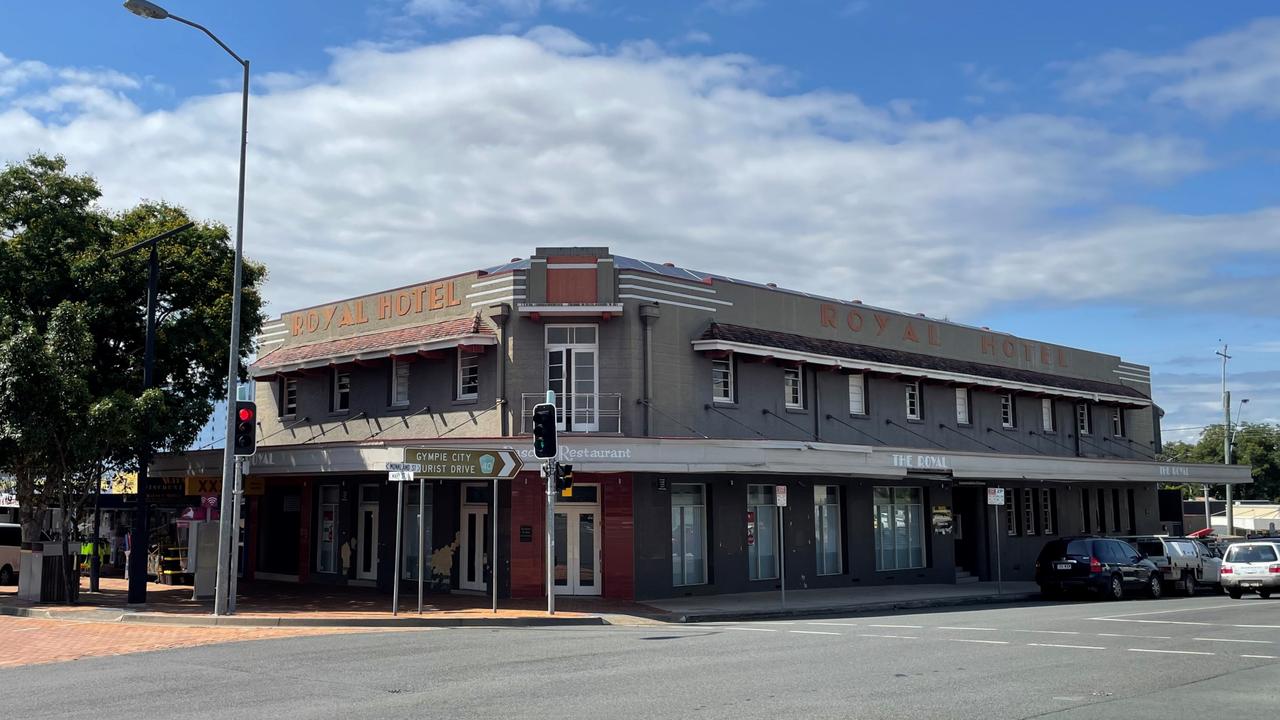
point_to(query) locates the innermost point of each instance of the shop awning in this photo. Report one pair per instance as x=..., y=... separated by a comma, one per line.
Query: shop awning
x=460, y=332
x=864, y=358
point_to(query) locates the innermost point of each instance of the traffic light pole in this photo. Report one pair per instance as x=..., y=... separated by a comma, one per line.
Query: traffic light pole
x=235, y=535
x=549, y=469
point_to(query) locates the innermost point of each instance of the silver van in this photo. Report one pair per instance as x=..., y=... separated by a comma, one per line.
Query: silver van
x=1252, y=567
x=10, y=541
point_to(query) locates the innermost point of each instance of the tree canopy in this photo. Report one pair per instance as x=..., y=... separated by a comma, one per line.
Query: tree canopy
x=72, y=326
x=1256, y=444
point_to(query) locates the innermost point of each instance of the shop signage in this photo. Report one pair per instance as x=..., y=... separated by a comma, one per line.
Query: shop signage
x=404, y=467
x=995, y=496
x=427, y=298
x=751, y=527
x=464, y=463
x=399, y=476
x=526, y=533
x=780, y=492
x=919, y=462
x=203, y=486
x=1174, y=471
x=942, y=524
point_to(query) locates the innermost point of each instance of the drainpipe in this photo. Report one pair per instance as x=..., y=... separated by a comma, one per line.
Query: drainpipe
x=817, y=407
x=500, y=314
x=648, y=315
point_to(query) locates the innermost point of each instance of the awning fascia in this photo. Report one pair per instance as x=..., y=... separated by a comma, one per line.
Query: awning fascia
x=475, y=339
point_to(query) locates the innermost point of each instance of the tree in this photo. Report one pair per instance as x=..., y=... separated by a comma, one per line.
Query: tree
x=72, y=330
x=1255, y=444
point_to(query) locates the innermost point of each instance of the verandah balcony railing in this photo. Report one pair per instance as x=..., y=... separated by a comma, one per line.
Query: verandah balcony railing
x=577, y=412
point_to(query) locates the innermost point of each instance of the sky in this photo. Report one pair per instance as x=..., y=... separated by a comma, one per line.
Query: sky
x=1100, y=175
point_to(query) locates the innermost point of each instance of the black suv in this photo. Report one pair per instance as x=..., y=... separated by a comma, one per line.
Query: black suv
x=1109, y=566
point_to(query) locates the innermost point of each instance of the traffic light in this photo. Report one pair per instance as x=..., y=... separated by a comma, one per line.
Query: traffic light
x=246, y=435
x=544, y=431
x=564, y=477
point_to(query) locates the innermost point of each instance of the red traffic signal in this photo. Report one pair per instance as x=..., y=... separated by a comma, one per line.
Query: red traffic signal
x=245, y=439
x=246, y=414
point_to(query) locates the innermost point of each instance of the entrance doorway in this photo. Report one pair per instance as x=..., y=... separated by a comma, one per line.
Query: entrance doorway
x=473, y=546
x=278, y=533
x=969, y=520
x=577, y=538
x=367, y=534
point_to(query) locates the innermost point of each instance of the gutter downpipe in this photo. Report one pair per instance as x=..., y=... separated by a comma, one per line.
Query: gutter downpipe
x=649, y=314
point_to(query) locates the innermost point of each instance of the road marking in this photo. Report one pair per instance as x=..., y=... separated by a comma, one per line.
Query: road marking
x=811, y=632
x=984, y=642
x=1262, y=657
x=1171, y=652
x=1139, y=637
x=1156, y=622
x=835, y=624
x=905, y=627
x=1075, y=647
x=1258, y=642
x=1048, y=632
x=897, y=637
x=750, y=628
x=945, y=627
x=1162, y=612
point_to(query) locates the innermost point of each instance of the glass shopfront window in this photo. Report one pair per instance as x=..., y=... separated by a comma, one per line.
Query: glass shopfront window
x=899, y=528
x=409, y=539
x=762, y=533
x=688, y=534
x=826, y=528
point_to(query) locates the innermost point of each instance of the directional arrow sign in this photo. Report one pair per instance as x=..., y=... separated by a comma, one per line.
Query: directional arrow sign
x=403, y=467
x=464, y=463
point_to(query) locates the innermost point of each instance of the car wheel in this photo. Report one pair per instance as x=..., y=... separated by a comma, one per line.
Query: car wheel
x=1188, y=584
x=1155, y=588
x=1235, y=593
x=1264, y=594
x=1117, y=588
x=6, y=575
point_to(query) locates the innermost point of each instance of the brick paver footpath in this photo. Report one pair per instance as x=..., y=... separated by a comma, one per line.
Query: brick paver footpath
x=31, y=641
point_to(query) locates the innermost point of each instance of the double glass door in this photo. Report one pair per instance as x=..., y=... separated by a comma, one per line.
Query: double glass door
x=572, y=356
x=577, y=539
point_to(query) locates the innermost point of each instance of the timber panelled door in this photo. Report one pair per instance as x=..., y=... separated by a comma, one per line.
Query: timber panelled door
x=572, y=372
x=577, y=534
x=475, y=537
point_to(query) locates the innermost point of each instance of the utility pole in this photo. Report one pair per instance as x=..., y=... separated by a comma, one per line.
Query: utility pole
x=1226, y=436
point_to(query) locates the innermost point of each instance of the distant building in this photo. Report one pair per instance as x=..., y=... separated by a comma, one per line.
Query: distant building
x=687, y=400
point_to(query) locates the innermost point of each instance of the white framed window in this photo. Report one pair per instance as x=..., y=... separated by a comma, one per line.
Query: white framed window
x=857, y=394
x=1082, y=418
x=1117, y=422
x=722, y=390
x=1047, y=503
x=1029, y=512
x=1047, y=419
x=688, y=534
x=913, y=400
x=573, y=374
x=898, y=515
x=762, y=533
x=399, y=382
x=1010, y=511
x=288, y=396
x=341, y=391
x=1008, y=416
x=962, y=406
x=793, y=388
x=826, y=528
x=468, y=376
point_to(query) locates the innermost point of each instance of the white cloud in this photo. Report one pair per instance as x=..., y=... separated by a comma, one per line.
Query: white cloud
x=401, y=165
x=1190, y=400
x=558, y=40
x=1234, y=72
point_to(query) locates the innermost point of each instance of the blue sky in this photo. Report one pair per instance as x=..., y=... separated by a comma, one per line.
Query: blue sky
x=1102, y=175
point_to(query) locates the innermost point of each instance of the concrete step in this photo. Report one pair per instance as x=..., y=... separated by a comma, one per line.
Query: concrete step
x=965, y=580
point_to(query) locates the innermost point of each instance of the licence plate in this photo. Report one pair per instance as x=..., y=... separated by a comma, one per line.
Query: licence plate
x=1062, y=566
x=1251, y=584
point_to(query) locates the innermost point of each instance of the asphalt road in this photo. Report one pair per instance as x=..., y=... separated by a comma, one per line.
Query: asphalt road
x=1173, y=658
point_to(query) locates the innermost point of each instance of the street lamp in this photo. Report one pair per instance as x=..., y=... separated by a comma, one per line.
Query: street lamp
x=138, y=581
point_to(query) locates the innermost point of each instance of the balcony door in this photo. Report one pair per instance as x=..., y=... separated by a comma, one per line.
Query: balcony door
x=572, y=373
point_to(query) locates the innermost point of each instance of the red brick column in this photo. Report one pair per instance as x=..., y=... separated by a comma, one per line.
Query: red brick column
x=617, y=550
x=528, y=508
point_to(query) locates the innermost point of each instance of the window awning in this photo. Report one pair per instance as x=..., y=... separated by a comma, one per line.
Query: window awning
x=468, y=331
x=852, y=357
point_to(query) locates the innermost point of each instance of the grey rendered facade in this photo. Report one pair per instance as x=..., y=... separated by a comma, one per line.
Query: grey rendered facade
x=682, y=389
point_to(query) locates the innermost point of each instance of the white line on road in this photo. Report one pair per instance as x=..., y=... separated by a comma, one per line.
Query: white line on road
x=1074, y=647
x=1170, y=652
x=835, y=624
x=751, y=629
x=1162, y=612
x=1154, y=622
x=1257, y=642
x=1139, y=637
x=944, y=627
x=984, y=642
x=811, y=632
x=896, y=637
x=905, y=627
x=1262, y=657
x=1048, y=632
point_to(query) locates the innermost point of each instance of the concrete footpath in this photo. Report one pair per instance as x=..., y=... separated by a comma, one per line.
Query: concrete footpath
x=278, y=605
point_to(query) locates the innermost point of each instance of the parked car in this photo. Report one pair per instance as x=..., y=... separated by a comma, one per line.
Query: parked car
x=1108, y=566
x=1252, y=567
x=1184, y=563
x=10, y=541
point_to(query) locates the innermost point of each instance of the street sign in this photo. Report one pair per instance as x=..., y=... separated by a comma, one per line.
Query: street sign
x=995, y=496
x=399, y=476
x=404, y=467
x=464, y=463
x=781, y=492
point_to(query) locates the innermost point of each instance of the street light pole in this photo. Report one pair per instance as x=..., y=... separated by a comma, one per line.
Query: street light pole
x=146, y=9
x=1226, y=437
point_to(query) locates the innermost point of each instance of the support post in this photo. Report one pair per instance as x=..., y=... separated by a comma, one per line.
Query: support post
x=782, y=553
x=422, y=534
x=549, y=469
x=141, y=531
x=493, y=552
x=95, y=562
x=238, y=493
x=395, y=572
x=999, y=565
